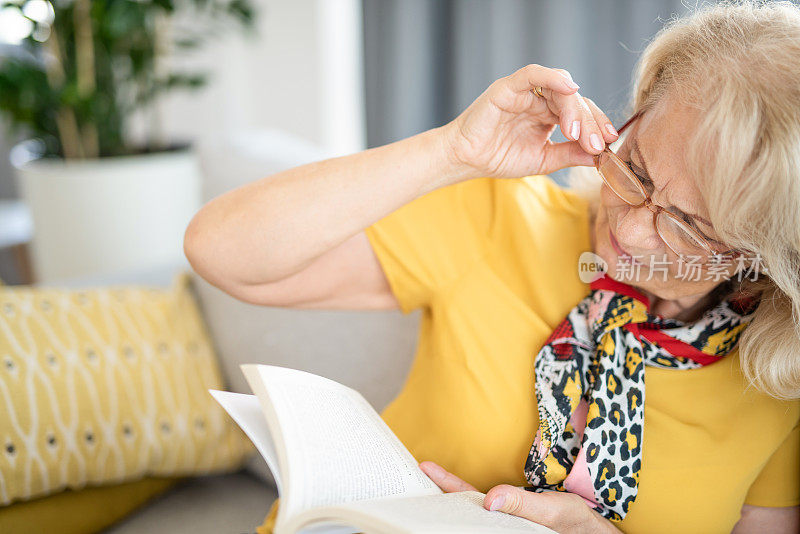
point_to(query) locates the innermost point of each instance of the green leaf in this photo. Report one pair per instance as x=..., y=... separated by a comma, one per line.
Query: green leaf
x=124, y=36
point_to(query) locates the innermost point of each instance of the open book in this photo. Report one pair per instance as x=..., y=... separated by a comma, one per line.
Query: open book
x=340, y=469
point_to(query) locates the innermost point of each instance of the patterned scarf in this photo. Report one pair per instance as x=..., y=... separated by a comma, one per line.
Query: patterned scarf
x=590, y=388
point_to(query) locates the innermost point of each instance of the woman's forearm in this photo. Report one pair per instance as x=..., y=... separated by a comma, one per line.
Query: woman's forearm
x=271, y=228
x=274, y=227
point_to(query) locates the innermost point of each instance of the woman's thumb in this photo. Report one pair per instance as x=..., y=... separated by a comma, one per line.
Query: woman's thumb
x=566, y=154
x=509, y=499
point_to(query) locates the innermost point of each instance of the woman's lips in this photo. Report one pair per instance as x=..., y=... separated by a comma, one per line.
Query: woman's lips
x=617, y=247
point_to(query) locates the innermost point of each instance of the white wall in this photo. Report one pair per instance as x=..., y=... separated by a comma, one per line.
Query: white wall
x=302, y=73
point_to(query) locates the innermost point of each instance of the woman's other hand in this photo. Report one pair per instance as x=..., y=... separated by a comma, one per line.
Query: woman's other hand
x=566, y=513
x=505, y=132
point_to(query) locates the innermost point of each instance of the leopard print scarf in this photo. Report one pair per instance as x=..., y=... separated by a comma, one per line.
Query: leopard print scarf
x=590, y=388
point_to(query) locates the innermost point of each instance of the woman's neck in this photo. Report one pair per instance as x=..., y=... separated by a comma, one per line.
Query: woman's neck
x=687, y=309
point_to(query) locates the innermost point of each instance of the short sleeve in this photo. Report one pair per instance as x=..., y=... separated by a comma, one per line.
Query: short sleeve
x=428, y=243
x=778, y=484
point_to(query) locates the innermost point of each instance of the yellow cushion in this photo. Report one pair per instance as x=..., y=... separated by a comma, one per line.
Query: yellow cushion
x=106, y=385
x=78, y=512
x=269, y=521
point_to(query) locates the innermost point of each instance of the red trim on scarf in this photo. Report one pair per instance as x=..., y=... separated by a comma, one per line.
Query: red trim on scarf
x=675, y=346
x=606, y=282
x=654, y=335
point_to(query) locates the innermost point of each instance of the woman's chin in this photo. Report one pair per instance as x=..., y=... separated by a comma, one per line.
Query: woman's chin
x=621, y=269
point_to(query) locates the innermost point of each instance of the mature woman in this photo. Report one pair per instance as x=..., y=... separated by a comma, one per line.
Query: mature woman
x=526, y=375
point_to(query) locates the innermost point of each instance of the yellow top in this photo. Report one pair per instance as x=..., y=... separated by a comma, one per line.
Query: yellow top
x=492, y=263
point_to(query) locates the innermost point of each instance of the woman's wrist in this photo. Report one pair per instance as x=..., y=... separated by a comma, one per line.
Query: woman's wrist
x=603, y=525
x=451, y=169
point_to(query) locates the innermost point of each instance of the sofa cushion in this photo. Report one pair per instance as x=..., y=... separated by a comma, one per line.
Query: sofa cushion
x=232, y=503
x=106, y=385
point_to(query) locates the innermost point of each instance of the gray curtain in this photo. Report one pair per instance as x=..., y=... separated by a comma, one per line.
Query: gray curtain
x=427, y=60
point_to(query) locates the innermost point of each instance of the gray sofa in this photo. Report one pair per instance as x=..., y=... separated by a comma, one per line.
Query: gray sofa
x=369, y=351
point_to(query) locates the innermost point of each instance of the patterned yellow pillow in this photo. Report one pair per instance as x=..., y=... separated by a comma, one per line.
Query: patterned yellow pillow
x=105, y=385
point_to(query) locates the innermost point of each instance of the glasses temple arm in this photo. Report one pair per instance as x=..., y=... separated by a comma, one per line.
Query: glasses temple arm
x=628, y=122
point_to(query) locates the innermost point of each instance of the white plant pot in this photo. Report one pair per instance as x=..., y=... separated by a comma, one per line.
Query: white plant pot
x=107, y=215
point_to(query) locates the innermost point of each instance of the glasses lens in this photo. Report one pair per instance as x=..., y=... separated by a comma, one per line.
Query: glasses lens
x=680, y=237
x=618, y=177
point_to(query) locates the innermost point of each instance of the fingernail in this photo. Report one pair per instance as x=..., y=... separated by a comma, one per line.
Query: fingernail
x=572, y=85
x=611, y=129
x=497, y=502
x=595, y=141
x=576, y=129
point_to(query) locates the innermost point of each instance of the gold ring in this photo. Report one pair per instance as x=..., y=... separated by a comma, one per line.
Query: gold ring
x=538, y=90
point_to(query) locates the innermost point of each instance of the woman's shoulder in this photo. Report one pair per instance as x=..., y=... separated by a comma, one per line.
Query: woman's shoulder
x=549, y=194
x=540, y=188
x=521, y=202
x=719, y=392
x=539, y=211
x=531, y=217
x=534, y=230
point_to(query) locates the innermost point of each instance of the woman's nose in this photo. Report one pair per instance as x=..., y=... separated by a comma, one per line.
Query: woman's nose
x=635, y=231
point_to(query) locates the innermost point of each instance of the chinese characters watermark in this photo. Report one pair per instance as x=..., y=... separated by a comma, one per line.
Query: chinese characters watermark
x=689, y=268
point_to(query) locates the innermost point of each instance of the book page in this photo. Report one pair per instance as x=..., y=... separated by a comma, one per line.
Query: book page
x=460, y=512
x=338, y=449
x=246, y=411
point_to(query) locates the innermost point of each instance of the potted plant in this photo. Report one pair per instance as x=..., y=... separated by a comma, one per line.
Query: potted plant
x=101, y=201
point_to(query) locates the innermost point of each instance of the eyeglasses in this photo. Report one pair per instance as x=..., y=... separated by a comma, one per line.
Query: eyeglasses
x=679, y=237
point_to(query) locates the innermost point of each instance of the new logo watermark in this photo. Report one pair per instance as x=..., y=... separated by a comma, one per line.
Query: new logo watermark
x=591, y=267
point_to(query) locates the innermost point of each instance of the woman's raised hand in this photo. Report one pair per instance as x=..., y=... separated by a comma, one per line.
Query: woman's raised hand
x=505, y=132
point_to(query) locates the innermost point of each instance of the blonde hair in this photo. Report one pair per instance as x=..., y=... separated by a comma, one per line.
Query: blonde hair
x=738, y=64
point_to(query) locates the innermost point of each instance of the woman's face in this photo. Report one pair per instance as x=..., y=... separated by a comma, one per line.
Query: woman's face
x=626, y=238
